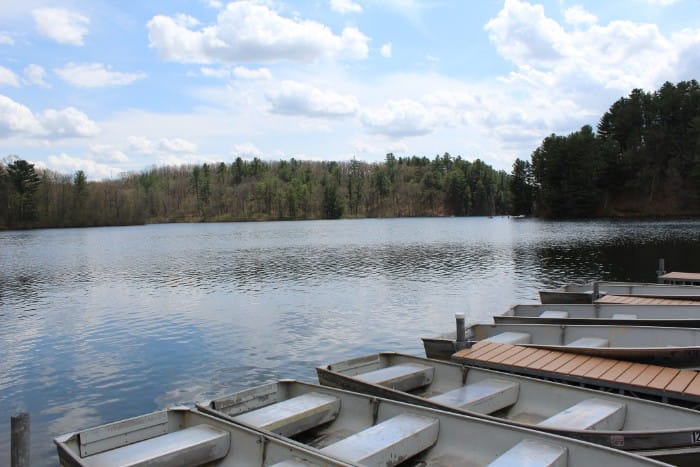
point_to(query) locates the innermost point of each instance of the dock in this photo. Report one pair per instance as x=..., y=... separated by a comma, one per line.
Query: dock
x=670, y=385
x=637, y=300
x=680, y=278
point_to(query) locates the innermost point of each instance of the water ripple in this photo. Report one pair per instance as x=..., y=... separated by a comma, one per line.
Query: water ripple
x=103, y=324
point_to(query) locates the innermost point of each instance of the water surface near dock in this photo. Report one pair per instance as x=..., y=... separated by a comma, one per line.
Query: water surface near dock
x=107, y=323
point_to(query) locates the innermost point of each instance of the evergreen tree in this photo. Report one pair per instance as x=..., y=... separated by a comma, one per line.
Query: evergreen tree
x=24, y=182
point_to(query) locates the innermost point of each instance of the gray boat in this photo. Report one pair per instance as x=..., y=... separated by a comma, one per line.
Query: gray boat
x=588, y=293
x=182, y=437
x=372, y=431
x=687, y=316
x=668, y=346
x=662, y=431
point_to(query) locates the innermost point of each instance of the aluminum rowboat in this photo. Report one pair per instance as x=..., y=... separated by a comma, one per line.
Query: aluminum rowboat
x=181, y=437
x=366, y=430
x=662, y=431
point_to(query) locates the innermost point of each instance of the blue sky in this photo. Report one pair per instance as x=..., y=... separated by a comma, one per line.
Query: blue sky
x=111, y=87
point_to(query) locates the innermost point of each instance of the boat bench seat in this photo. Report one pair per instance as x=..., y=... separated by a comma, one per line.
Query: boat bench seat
x=509, y=337
x=292, y=416
x=589, y=342
x=532, y=453
x=486, y=396
x=196, y=445
x=624, y=316
x=554, y=314
x=403, y=377
x=590, y=414
x=387, y=443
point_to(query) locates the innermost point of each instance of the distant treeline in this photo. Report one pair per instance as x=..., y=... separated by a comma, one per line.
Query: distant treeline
x=643, y=160
x=253, y=190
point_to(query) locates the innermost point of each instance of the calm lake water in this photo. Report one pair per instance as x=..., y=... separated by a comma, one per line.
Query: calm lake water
x=107, y=323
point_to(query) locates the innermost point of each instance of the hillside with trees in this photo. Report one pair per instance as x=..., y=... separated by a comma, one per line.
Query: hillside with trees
x=253, y=190
x=643, y=160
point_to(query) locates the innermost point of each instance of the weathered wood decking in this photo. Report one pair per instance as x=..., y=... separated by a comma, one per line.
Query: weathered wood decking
x=658, y=382
x=635, y=300
x=687, y=278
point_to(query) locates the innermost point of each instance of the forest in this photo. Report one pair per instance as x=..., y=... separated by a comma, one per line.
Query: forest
x=253, y=190
x=643, y=159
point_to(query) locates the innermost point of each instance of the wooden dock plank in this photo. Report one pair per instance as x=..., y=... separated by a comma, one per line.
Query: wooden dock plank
x=593, y=362
x=616, y=370
x=478, y=352
x=562, y=359
x=521, y=357
x=604, y=366
x=636, y=377
x=681, y=381
x=533, y=357
x=573, y=364
x=503, y=356
x=663, y=379
x=472, y=352
x=632, y=372
x=694, y=386
x=645, y=377
x=495, y=352
x=638, y=300
x=537, y=365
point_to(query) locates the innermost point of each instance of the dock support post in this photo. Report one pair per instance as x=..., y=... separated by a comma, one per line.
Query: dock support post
x=661, y=271
x=19, y=440
x=461, y=341
x=596, y=291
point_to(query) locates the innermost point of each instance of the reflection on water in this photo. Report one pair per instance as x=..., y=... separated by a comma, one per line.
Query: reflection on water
x=103, y=324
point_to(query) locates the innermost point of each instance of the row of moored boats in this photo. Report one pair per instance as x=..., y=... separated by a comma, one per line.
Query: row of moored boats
x=391, y=409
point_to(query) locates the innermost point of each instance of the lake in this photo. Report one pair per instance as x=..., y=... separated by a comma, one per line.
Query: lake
x=106, y=323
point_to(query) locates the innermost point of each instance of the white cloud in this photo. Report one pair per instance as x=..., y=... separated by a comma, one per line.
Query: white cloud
x=577, y=15
x=8, y=77
x=620, y=55
x=177, y=145
x=245, y=151
x=522, y=33
x=140, y=144
x=6, y=38
x=687, y=42
x=400, y=118
x=242, y=72
x=107, y=153
x=216, y=4
x=385, y=50
x=345, y=6
x=35, y=74
x=163, y=146
x=662, y=2
x=453, y=99
x=67, y=123
x=63, y=163
x=60, y=25
x=16, y=119
x=93, y=75
x=219, y=73
x=249, y=32
x=293, y=98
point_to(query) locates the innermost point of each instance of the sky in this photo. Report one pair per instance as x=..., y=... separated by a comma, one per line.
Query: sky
x=110, y=87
